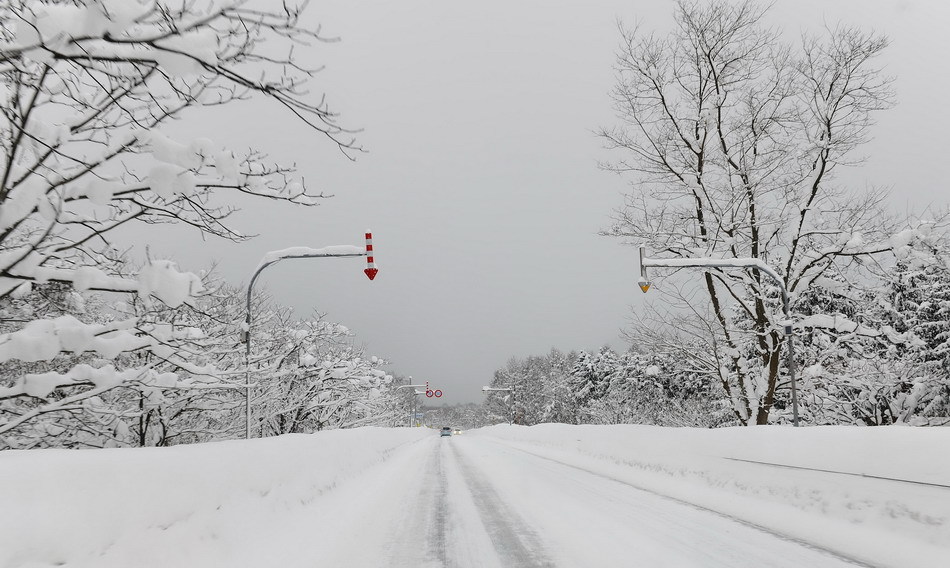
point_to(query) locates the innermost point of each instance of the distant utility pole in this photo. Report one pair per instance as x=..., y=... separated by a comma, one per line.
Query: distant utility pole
x=645, y=283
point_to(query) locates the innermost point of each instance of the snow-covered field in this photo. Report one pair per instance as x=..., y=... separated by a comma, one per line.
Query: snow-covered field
x=550, y=495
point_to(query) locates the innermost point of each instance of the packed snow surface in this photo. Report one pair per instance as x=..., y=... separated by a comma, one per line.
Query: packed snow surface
x=549, y=495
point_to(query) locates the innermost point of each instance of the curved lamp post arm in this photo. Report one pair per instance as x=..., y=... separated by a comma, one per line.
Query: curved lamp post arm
x=415, y=391
x=269, y=260
x=265, y=263
x=721, y=263
x=511, y=401
x=733, y=263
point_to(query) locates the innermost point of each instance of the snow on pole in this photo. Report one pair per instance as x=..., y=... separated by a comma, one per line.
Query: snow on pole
x=371, y=269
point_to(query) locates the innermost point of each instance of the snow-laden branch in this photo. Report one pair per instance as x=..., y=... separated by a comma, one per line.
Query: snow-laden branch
x=88, y=87
x=836, y=323
x=158, y=278
x=42, y=340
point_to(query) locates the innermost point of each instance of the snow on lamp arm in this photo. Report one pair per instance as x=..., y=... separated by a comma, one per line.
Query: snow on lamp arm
x=273, y=257
x=511, y=399
x=733, y=263
x=416, y=392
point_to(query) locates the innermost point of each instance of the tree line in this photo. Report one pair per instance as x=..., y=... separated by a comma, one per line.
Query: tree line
x=189, y=385
x=731, y=136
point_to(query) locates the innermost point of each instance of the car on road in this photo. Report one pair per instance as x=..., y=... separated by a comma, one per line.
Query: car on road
x=446, y=431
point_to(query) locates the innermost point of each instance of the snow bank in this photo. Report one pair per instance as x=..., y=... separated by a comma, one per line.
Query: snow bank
x=882, y=522
x=105, y=507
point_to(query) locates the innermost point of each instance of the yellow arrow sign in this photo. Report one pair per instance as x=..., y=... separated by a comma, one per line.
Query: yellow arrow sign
x=645, y=286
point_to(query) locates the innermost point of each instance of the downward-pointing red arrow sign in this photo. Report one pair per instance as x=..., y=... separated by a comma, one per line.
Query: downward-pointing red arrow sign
x=371, y=269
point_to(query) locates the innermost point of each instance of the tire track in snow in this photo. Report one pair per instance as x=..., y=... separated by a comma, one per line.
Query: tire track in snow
x=438, y=520
x=515, y=543
x=419, y=536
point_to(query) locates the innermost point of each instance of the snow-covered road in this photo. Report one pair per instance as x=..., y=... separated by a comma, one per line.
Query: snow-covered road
x=479, y=502
x=505, y=496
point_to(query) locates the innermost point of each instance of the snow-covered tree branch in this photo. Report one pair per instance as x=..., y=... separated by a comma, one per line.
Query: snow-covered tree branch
x=87, y=90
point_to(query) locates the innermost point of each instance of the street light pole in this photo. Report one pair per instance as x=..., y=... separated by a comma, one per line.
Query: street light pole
x=272, y=258
x=412, y=414
x=733, y=263
x=415, y=405
x=511, y=400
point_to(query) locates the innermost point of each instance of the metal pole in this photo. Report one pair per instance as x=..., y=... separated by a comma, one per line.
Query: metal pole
x=643, y=267
x=247, y=380
x=791, y=376
x=790, y=359
x=412, y=405
x=247, y=350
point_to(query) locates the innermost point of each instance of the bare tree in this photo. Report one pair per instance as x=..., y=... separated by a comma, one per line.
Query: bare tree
x=732, y=137
x=86, y=88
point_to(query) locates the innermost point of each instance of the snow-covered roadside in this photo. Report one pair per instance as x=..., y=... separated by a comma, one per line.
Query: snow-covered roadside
x=68, y=507
x=884, y=523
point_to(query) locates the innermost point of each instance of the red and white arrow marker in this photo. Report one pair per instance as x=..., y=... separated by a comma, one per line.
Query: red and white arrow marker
x=371, y=269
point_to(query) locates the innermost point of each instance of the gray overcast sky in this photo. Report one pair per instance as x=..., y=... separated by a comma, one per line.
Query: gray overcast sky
x=481, y=184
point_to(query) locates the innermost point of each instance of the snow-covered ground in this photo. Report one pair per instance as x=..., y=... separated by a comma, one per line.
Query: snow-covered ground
x=550, y=495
